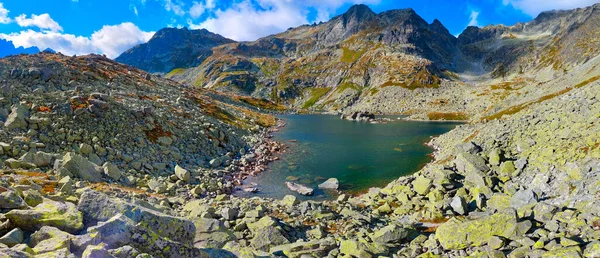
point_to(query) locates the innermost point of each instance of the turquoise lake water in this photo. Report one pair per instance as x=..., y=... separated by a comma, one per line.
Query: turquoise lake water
x=360, y=155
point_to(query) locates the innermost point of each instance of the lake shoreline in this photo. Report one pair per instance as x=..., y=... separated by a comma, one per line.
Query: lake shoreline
x=385, y=167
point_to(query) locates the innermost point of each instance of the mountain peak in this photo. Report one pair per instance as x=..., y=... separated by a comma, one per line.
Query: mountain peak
x=360, y=12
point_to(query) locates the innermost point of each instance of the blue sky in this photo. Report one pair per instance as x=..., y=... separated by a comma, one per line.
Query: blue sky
x=112, y=26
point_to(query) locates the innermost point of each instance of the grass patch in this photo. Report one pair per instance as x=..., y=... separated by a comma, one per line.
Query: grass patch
x=261, y=103
x=347, y=85
x=458, y=116
x=316, y=94
x=351, y=56
x=586, y=82
x=516, y=109
x=176, y=71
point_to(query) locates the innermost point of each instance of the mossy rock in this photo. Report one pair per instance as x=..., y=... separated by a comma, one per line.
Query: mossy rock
x=456, y=234
x=63, y=216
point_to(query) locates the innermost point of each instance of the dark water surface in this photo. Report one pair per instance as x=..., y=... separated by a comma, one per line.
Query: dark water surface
x=359, y=155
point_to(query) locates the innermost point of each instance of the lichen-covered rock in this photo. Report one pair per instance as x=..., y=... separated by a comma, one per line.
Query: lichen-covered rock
x=150, y=231
x=9, y=199
x=390, y=234
x=267, y=233
x=64, y=216
x=354, y=248
x=211, y=233
x=315, y=248
x=456, y=234
x=473, y=167
x=422, y=185
x=96, y=206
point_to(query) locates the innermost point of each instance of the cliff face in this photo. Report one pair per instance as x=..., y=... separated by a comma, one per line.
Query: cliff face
x=172, y=48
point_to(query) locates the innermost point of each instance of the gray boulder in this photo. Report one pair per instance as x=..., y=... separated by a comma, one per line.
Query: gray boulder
x=81, y=167
x=331, y=183
x=14, y=237
x=182, y=174
x=523, y=198
x=11, y=200
x=459, y=205
x=17, y=119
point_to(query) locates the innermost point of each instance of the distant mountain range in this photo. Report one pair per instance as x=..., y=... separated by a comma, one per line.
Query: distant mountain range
x=366, y=60
x=7, y=48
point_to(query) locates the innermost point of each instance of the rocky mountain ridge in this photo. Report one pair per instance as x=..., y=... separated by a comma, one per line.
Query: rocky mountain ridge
x=172, y=48
x=360, y=59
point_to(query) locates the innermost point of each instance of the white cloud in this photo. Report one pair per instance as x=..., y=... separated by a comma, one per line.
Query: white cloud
x=176, y=6
x=197, y=9
x=4, y=15
x=42, y=21
x=473, y=18
x=113, y=40
x=110, y=40
x=244, y=21
x=535, y=7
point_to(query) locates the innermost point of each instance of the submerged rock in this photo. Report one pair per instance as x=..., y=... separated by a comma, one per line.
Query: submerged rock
x=301, y=189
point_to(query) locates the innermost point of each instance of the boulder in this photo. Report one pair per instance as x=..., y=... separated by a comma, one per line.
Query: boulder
x=182, y=174
x=211, y=233
x=290, y=201
x=151, y=232
x=354, y=248
x=301, y=189
x=17, y=119
x=39, y=158
x=7, y=252
x=267, y=233
x=63, y=216
x=456, y=234
x=421, y=185
x=390, y=234
x=523, y=198
x=51, y=241
x=14, y=237
x=459, y=205
x=315, y=248
x=331, y=183
x=81, y=167
x=112, y=171
x=9, y=199
x=473, y=167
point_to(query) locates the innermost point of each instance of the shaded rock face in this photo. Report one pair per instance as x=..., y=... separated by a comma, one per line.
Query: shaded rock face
x=172, y=48
x=123, y=223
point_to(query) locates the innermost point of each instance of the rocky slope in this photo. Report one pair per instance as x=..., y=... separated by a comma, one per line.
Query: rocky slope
x=172, y=48
x=523, y=185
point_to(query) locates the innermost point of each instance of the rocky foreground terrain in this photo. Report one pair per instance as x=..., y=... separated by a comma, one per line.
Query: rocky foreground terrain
x=77, y=128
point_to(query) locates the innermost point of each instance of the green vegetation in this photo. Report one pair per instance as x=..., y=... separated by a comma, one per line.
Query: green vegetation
x=347, y=85
x=261, y=103
x=351, y=56
x=517, y=108
x=316, y=94
x=454, y=116
x=176, y=71
x=586, y=82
